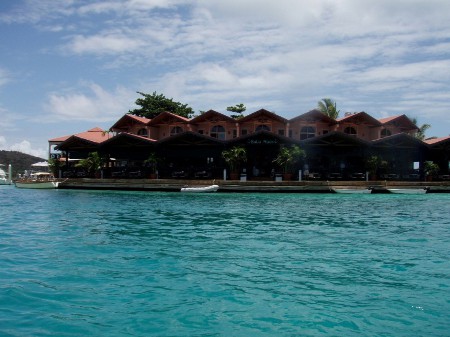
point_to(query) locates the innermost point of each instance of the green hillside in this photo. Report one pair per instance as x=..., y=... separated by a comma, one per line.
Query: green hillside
x=18, y=160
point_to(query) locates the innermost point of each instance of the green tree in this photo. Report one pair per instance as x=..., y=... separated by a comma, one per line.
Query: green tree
x=92, y=163
x=234, y=157
x=288, y=157
x=420, y=134
x=328, y=107
x=54, y=166
x=238, y=108
x=154, y=104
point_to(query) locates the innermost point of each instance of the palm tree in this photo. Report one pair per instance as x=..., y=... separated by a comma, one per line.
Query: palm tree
x=234, y=157
x=420, y=134
x=92, y=163
x=327, y=107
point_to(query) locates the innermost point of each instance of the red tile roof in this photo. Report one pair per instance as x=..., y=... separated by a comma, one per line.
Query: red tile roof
x=432, y=141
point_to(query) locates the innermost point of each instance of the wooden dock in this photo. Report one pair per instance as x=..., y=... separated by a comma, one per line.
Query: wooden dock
x=174, y=185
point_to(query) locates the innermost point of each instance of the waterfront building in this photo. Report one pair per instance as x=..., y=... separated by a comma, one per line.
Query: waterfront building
x=192, y=148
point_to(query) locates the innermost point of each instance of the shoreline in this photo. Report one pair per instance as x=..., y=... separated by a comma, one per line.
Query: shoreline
x=174, y=185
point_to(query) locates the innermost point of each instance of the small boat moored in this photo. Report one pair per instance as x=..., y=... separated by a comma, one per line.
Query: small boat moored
x=352, y=190
x=200, y=189
x=5, y=178
x=408, y=190
x=39, y=180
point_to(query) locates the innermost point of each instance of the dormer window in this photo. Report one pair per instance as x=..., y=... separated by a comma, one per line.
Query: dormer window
x=307, y=132
x=142, y=132
x=350, y=130
x=218, y=132
x=385, y=133
x=176, y=130
x=262, y=127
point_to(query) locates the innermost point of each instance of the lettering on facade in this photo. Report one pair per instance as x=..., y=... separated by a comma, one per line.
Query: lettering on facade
x=262, y=141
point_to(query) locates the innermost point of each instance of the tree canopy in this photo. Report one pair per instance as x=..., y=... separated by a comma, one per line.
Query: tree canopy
x=420, y=134
x=154, y=104
x=238, y=108
x=328, y=107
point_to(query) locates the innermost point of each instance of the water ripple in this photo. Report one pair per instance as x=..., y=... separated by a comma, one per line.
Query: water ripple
x=167, y=264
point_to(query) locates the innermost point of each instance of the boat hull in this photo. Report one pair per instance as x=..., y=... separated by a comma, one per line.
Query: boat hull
x=408, y=190
x=352, y=190
x=204, y=189
x=37, y=185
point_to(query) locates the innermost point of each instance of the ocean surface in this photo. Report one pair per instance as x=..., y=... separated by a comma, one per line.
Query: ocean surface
x=104, y=263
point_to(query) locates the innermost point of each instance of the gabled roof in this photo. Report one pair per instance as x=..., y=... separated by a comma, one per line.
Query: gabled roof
x=125, y=139
x=400, y=121
x=168, y=118
x=335, y=138
x=128, y=120
x=263, y=137
x=437, y=141
x=212, y=116
x=59, y=139
x=190, y=138
x=359, y=118
x=399, y=140
x=261, y=115
x=89, y=139
x=313, y=116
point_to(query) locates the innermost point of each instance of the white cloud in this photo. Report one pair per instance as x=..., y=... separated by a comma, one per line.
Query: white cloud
x=97, y=105
x=23, y=146
x=26, y=147
x=105, y=43
x=284, y=55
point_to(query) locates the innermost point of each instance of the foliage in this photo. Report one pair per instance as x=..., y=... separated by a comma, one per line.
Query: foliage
x=431, y=169
x=375, y=162
x=288, y=157
x=420, y=134
x=152, y=161
x=234, y=157
x=54, y=165
x=92, y=163
x=328, y=107
x=239, y=109
x=154, y=104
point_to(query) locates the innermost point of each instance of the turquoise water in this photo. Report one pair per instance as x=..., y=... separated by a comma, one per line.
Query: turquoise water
x=101, y=263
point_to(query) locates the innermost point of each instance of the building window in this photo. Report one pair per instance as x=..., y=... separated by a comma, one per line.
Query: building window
x=142, y=132
x=218, y=132
x=244, y=132
x=176, y=130
x=307, y=132
x=350, y=130
x=385, y=133
x=290, y=133
x=281, y=132
x=262, y=127
x=234, y=133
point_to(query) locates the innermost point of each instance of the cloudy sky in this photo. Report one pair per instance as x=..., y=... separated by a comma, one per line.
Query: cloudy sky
x=70, y=65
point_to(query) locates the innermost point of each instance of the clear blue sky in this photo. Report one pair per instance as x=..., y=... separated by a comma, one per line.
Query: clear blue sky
x=70, y=65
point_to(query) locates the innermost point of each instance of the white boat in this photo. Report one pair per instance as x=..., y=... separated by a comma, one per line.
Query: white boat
x=352, y=190
x=3, y=178
x=39, y=180
x=201, y=189
x=408, y=190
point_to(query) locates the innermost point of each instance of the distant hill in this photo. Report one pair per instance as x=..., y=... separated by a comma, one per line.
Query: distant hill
x=18, y=160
